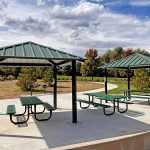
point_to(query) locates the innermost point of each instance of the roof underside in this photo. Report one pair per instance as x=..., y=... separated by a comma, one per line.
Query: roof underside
x=133, y=61
x=30, y=54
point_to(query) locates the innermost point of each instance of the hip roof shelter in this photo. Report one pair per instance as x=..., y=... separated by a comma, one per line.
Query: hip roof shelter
x=33, y=54
x=134, y=61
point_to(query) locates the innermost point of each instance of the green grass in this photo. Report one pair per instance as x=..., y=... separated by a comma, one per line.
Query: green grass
x=85, y=78
x=120, y=82
x=122, y=85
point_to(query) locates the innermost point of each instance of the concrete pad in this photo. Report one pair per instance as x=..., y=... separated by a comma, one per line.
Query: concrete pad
x=59, y=131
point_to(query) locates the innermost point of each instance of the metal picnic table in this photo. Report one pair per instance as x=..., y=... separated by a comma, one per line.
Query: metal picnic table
x=129, y=94
x=115, y=99
x=30, y=103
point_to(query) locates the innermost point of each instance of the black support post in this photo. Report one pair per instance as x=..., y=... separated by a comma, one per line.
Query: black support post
x=74, y=94
x=128, y=79
x=105, y=80
x=128, y=72
x=55, y=86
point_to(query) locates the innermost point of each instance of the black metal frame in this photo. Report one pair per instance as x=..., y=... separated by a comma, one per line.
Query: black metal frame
x=30, y=111
x=114, y=101
x=119, y=107
x=45, y=119
x=55, y=86
x=74, y=93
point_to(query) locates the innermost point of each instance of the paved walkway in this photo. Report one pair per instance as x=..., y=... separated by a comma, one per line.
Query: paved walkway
x=59, y=131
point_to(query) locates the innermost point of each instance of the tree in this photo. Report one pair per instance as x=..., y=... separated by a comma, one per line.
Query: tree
x=142, y=52
x=48, y=76
x=128, y=52
x=141, y=79
x=107, y=57
x=90, y=65
x=117, y=53
x=78, y=68
x=39, y=72
x=26, y=77
x=67, y=70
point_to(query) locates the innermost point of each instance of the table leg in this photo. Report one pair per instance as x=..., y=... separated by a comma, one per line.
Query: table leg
x=22, y=113
x=123, y=110
x=20, y=122
x=32, y=112
x=84, y=107
x=108, y=114
x=45, y=119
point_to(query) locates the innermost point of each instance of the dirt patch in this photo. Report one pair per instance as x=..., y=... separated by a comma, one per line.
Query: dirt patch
x=9, y=89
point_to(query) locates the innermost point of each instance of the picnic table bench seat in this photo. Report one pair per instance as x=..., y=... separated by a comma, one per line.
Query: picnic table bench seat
x=98, y=105
x=93, y=103
x=118, y=103
x=49, y=108
x=11, y=110
x=141, y=96
x=125, y=102
x=145, y=95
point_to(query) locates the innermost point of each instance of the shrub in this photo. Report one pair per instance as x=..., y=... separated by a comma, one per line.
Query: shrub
x=2, y=78
x=10, y=77
x=48, y=76
x=26, y=77
x=141, y=80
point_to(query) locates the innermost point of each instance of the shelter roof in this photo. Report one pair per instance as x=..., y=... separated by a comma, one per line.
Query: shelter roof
x=30, y=53
x=133, y=61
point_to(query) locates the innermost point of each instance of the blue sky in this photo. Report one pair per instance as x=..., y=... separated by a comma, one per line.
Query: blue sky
x=76, y=25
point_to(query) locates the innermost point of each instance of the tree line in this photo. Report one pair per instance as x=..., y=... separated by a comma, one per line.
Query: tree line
x=140, y=77
x=29, y=75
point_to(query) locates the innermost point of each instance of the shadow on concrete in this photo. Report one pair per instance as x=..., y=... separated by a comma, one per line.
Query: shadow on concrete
x=92, y=125
x=20, y=136
x=140, y=102
x=20, y=119
x=133, y=113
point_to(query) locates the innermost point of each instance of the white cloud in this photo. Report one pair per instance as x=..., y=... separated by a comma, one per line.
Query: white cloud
x=140, y=2
x=73, y=28
x=40, y=2
x=3, y=4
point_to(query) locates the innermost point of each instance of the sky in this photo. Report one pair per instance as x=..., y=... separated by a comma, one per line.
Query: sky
x=74, y=26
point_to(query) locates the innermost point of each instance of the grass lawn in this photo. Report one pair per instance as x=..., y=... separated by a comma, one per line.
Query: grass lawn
x=10, y=90
x=120, y=82
x=122, y=85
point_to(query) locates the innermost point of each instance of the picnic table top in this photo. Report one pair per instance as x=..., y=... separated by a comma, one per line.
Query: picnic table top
x=106, y=96
x=30, y=100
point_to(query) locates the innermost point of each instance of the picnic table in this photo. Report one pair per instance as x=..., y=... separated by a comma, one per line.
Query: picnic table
x=116, y=100
x=30, y=104
x=145, y=94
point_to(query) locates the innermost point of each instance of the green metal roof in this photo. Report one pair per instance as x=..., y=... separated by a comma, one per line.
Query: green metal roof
x=133, y=61
x=33, y=53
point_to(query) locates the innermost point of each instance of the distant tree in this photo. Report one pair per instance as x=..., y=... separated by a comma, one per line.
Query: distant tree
x=107, y=57
x=39, y=72
x=67, y=70
x=128, y=52
x=78, y=68
x=14, y=71
x=48, y=76
x=142, y=52
x=117, y=53
x=26, y=77
x=90, y=65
